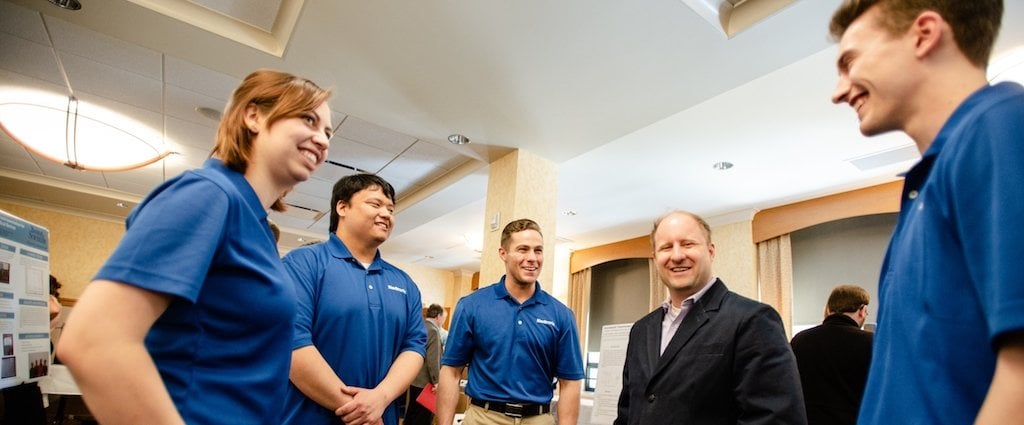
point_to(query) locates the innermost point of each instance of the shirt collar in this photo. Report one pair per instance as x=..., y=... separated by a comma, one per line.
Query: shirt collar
x=501, y=292
x=339, y=250
x=695, y=297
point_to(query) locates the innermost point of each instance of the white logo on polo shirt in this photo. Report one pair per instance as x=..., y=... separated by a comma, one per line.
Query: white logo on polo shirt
x=396, y=289
x=546, y=322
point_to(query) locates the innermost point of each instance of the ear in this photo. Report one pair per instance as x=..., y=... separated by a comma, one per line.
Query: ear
x=252, y=118
x=928, y=30
x=341, y=207
x=711, y=251
x=502, y=253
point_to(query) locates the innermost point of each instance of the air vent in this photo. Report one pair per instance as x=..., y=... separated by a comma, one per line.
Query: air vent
x=884, y=158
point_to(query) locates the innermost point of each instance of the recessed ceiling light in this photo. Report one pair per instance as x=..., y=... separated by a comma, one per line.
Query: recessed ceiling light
x=724, y=165
x=67, y=4
x=208, y=112
x=121, y=205
x=458, y=139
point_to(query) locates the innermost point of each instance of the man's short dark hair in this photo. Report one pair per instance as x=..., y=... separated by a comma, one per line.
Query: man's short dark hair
x=434, y=311
x=516, y=227
x=847, y=299
x=975, y=23
x=348, y=186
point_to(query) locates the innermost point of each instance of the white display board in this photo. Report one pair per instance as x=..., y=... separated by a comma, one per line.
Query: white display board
x=24, y=301
x=614, y=339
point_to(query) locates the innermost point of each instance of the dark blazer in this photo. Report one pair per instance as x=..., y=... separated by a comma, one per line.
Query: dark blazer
x=833, y=359
x=728, y=363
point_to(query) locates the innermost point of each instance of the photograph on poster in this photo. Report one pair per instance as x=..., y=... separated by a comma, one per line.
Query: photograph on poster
x=8, y=344
x=5, y=272
x=8, y=367
x=39, y=364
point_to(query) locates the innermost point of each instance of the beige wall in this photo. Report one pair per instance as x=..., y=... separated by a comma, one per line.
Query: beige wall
x=435, y=285
x=78, y=245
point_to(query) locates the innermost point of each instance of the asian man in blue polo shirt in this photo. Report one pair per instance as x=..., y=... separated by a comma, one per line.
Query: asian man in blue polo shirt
x=359, y=335
x=517, y=340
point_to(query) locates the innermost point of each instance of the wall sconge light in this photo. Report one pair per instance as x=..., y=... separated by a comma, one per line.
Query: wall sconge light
x=77, y=134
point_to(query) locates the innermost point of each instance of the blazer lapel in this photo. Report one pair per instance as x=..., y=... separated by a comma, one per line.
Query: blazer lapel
x=694, y=320
x=654, y=341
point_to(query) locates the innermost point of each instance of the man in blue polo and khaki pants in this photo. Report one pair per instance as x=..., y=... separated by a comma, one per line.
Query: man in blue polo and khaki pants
x=517, y=340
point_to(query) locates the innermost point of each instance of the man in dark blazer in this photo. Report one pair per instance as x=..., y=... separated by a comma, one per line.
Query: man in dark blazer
x=708, y=356
x=833, y=358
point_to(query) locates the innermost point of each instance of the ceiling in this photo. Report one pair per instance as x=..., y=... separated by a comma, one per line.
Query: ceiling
x=634, y=102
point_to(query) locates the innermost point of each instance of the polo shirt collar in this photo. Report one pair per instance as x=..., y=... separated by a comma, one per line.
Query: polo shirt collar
x=537, y=297
x=338, y=250
x=238, y=180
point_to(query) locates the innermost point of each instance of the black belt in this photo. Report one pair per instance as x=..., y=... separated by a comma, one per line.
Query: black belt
x=515, y=410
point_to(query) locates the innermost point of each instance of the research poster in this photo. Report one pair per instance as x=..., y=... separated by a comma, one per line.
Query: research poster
x=614, y=339
x=24, y=301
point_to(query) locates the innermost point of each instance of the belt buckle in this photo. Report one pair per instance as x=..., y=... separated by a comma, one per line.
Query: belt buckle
x=514, y=410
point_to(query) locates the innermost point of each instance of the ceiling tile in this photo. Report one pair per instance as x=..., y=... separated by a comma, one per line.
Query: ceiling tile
x=358, y=155
x=315, y=187
x=73, y=39
x=60, y=171
x=190, y=136
x=25, y=165
x=284, y=220
x=113, y=83
x=405, y=172
x=150, y=121
x=367, y=133
x=11, y=149
x=182, y=103
x=440, y=156
x=330, y=172
x=134, y=182
x=317, y=202
x=11, y=78
x=29, y=58
x=197, y=79
x=22, y=22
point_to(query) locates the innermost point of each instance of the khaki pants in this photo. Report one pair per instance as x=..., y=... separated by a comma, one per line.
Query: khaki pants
x=476, y=415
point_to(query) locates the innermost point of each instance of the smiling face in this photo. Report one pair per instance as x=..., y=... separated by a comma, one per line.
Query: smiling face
x=368, y=217
x=876, y=75
x=291, y=148
x=683, y=255
x=523, y=255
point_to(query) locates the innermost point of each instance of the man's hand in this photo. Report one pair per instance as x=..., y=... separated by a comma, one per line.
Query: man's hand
x=366, y=407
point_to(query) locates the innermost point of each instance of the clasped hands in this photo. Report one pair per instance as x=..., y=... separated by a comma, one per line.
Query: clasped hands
x=364, y=407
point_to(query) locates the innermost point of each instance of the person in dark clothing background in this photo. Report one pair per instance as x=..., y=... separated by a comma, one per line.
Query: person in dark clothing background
x=833, y=358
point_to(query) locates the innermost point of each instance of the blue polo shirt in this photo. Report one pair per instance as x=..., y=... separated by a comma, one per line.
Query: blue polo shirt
x=223, y=344
x=360, y=319
x=953, y=279
x=514, y=351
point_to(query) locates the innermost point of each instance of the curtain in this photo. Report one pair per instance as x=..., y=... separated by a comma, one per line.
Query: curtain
x=579, y=303
x=775, y=277
x=658, y=291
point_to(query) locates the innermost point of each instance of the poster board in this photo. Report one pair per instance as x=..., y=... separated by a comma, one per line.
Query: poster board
x=614, y=339
x=24, y=301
